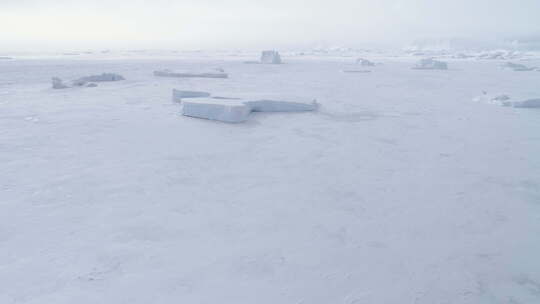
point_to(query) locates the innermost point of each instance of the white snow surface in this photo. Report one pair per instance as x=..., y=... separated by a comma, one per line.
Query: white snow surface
x=398, y=190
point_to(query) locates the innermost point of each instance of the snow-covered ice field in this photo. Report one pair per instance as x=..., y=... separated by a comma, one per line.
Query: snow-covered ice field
x=399, y=189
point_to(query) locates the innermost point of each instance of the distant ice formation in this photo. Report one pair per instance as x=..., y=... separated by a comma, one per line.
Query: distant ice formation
x=169, y=73
x=270, y=57
x=88, y=81
x=235, y=111
x=430, y=64
x=85, y=81
x=364, y=62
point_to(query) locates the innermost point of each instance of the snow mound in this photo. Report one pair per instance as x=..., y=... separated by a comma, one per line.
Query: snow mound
x=231, y=111
x=238, y=110
x=364, y=62
x=430, y=64
x=270, y=57
x=179, y=94
x=169, y=73
x=518, y=67
x=58, y=84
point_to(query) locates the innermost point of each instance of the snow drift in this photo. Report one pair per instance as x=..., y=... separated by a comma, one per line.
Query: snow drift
x=518, y=67
x=356, y=71
x=430, y=64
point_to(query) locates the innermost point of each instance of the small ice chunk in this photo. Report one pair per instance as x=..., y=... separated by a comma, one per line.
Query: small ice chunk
x=169, y=73
x=364, y=62
x=229, y=111
x=179, y=94
x=57, y=83
x=530, y=103
x=430, y=64
x=270, y=57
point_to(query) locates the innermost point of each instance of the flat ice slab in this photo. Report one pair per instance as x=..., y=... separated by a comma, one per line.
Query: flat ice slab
x=529, y=103
x=268, y=105
x=229, y=111
x=168, y=73
x=430, y=64
x=179, y=94
x=238, y=110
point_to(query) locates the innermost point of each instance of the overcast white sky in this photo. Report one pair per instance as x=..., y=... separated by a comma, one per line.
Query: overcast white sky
x=193, y=24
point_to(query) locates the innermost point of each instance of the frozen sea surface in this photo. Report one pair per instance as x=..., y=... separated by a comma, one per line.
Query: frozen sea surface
x=400, y=189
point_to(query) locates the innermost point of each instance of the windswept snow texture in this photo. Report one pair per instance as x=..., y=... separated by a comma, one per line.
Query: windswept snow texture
x=399, y=189
x=270, y=57
x=179, y=94
x=430, y=64
x=168, y=73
